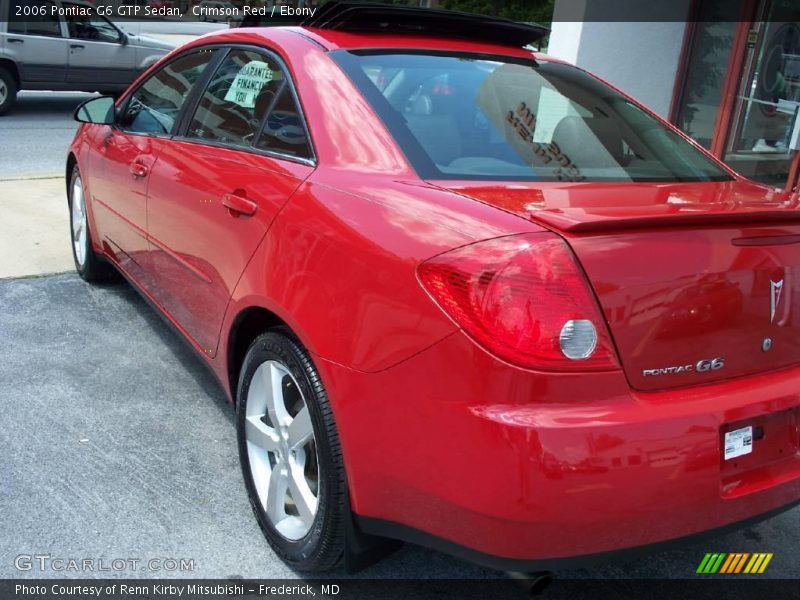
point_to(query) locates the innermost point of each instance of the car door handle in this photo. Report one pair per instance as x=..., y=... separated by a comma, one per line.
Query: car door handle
x=15, y=41
x=238, y=204
x=77, y=46
x=138, y=169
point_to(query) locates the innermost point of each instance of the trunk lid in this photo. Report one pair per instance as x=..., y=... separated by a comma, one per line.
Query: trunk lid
x=696, y=281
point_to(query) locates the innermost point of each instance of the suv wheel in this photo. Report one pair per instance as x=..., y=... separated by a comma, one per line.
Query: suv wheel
x=8, y=90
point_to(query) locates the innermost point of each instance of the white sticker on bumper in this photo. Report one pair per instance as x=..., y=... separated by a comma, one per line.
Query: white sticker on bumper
x=738, y=442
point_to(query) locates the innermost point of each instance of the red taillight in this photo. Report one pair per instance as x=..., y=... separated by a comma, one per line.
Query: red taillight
x=524, y=298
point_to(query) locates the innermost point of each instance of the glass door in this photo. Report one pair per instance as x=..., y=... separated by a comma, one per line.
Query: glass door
x=706, y=70
x=768, y=100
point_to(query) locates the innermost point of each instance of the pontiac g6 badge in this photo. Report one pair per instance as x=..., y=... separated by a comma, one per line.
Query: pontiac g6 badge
x=775, y=289
x=701, y=366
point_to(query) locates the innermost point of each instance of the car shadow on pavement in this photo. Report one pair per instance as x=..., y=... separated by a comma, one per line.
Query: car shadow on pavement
x=176, y=344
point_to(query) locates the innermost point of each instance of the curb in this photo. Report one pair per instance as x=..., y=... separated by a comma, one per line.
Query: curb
x=7, y=278
x=31, y=177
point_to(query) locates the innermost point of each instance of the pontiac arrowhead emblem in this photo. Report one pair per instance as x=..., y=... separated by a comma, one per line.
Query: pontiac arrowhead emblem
x=776, y=287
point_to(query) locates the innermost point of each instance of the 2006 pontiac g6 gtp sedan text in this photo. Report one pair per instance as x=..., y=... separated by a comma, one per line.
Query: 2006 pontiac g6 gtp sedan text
x=461, y=293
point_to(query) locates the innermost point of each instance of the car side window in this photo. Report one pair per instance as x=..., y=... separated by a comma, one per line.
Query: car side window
x=94, y=28
x=284, y=131
x=156, y=104
x=33, y=17
x=238, y=96
x=249, y=90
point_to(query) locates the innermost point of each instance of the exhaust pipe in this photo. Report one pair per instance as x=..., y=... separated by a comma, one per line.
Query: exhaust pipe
x=534, y=584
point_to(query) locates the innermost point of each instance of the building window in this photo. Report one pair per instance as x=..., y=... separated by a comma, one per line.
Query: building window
x=707, y=67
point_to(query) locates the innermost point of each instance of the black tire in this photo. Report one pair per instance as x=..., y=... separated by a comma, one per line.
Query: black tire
x=322, y=547
x=8, y=84
x=94, y=269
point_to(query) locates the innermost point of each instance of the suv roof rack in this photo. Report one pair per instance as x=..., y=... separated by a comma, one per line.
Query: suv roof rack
x=367, y=17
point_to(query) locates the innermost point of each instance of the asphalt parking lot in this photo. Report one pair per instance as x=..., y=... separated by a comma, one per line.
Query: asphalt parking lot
x=117, y=443
x=37, y=133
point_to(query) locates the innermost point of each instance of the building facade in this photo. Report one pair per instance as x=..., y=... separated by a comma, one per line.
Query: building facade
x=726, y=72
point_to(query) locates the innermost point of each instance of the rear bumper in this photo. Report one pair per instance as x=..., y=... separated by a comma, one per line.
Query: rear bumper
x=456, y=448
x=388, y=529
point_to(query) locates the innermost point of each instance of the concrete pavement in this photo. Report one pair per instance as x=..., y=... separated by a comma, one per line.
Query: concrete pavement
x=34, y=230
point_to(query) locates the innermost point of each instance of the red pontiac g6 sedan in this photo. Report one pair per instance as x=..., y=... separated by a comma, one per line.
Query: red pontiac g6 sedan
x=461, y=294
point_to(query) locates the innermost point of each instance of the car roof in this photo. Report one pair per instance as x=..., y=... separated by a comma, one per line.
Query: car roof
x=280, y=38
x=329, y=40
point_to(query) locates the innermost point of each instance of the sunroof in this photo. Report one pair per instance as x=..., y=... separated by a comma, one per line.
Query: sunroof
x=364, y=17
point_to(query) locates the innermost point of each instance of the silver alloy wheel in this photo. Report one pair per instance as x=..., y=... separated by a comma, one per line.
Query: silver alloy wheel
x=3, y=92
x=78, y=215
x=281, y=450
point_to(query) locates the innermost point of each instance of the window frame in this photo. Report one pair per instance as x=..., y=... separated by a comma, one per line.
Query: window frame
x=190, y=108
x=120, y=34
x=202, y=81
x=8, y=9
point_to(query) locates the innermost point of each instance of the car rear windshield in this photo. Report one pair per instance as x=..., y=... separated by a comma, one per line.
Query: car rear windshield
x=467, y=116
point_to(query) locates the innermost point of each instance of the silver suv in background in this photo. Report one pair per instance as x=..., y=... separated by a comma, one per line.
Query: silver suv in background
x=42, y=50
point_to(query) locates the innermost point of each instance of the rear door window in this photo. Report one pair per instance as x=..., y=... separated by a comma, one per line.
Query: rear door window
x=237, y=97
x=284, y=131
x=249, y=103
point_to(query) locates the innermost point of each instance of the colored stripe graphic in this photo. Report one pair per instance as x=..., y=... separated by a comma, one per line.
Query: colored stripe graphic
x=741, y=563
x=759, y=563
x=704, y=563
x=711, y=563
x=765, y=563
x=715, y=567
x=708, y=563
x=734, y=563
x=729, y=562
x=756, y=559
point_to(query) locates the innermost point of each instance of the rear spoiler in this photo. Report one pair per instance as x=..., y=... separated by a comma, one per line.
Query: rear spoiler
x=577, y=220
x=364, y=17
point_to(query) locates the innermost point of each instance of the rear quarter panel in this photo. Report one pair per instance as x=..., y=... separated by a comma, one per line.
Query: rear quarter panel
x=340, y=266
